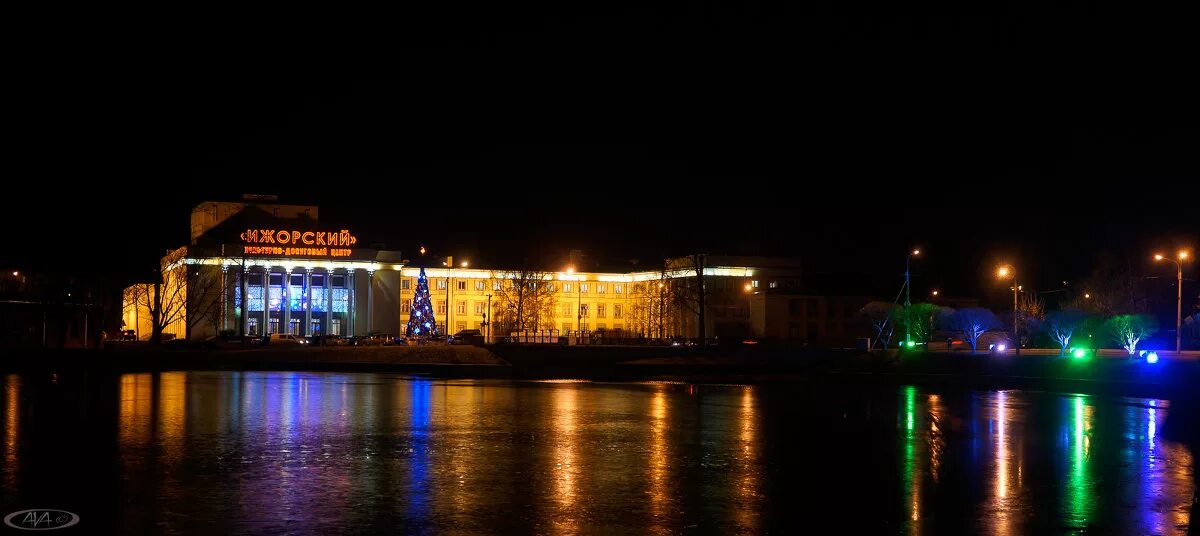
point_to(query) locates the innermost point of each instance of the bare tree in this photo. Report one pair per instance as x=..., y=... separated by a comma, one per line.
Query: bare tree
x=202, y=296
x=164, y=298
x=880, y=316
x=1129, y=330
x=526, y=299
x=689, y=292
x=1061, y=325
x=973, y=322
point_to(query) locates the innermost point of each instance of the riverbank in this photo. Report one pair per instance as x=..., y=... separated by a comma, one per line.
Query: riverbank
x=1167, y=378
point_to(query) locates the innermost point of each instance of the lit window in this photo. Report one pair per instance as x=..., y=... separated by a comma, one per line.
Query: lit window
x=567, y=287
x=583, y=309
x=617, y=310
x=479, y=307
x=405, y=306
x=583, y=288
x=600, y=288
x=496, y=285
x=566, y=309
x=461, y=308
x=441, y=284
x=774, y=284
x=600, y=310
x=405, y=284
x=754, y=283
x=479, y=284
x=441, y=307
x=618, y=288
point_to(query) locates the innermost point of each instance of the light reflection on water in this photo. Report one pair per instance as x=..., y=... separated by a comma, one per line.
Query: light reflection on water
x=211, y=452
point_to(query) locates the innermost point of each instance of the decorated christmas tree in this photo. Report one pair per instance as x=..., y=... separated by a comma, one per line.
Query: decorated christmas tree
x=421, y=322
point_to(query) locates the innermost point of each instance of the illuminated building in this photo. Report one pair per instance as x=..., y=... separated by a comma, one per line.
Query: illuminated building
x=258, y=267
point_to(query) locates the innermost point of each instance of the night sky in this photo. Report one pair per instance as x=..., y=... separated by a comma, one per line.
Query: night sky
x=626, y=133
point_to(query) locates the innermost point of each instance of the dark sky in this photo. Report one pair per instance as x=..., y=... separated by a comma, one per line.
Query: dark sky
x=625, y=132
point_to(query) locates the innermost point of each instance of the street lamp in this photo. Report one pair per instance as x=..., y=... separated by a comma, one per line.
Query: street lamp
x=908, y=297
x=934, y=293
x=578, y=301
x=1183, y=256
x=750, y=307
x=1005, y=272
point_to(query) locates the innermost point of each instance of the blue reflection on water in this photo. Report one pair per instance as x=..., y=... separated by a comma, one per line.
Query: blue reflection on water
x=419, y=484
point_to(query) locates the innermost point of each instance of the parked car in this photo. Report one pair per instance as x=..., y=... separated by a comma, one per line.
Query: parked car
x=287, y=338
x=466, y=336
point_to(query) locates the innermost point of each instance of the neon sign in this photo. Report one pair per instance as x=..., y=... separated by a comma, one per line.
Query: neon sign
x=292, y=243
x=307, y=238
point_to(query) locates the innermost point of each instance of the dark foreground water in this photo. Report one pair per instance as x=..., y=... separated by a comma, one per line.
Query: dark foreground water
x=282, y=453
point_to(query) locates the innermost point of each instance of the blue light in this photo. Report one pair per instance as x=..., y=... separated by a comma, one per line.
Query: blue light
x=1152, y=358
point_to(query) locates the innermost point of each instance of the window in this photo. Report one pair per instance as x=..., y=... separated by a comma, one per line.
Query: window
x=583, y=310
x=600, y=287
x=276, y=280
x=405, y=307
x=441, y=307
x=566, y=309
x=583, y=288
x=618, y=288
x=774, y=284
x=297, y=280
x=461, y=325
x=754, y=283
x=441, y=284
x=617, y=310
x=549, y=287
x=460, y=308
x=462, y=285
x=339, y=281
x=479, y=285
x=405, y=283
x=496, y=285
x=600, y=310
x=479, y=307
x=567, y=287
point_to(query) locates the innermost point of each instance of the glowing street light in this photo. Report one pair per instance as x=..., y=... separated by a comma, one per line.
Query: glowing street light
x=935, y=293
x=1005, y=272
x=464, y=264
x=1183, y=256
x=908, y=296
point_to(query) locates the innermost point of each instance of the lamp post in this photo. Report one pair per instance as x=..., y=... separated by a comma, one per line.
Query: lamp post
x=750, y=307
x=1183, y=256
x=1004, y=272
x=578, y=300
x=908, y=297
x=487, y=321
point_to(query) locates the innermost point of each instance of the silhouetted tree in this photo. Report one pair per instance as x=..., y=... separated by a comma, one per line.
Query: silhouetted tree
x=1061, y=325
x=973, y=322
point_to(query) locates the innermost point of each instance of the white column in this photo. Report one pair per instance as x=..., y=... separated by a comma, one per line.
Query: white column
x=245, y=320
x=370, y=289
x=350, y=301
x=224, y=304
x=307, y=303
x=328, y=290
x=266, y=286
x=285, y=324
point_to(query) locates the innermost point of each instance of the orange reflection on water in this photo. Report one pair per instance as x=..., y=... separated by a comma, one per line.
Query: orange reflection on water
x=172, y=401
x=564, y=428
x=134, y=409
x=659, y=460
x=745, y=468
x=1001, y=505
x=12, y=427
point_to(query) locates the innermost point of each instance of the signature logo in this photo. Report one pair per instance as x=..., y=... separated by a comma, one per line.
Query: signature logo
x=41, y=519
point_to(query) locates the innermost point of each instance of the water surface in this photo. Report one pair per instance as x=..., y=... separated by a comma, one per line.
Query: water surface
x=327, y=453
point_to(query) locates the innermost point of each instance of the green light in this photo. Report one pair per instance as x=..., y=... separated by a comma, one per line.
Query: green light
x=1079, y=353
x=911, y=344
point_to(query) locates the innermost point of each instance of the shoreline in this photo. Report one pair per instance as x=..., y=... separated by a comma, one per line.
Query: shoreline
x=1166, y=379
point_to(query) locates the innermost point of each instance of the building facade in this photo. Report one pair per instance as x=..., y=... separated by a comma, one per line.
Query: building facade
x=257, y=267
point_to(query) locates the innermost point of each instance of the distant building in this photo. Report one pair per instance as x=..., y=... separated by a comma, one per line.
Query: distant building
x=258, y=267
